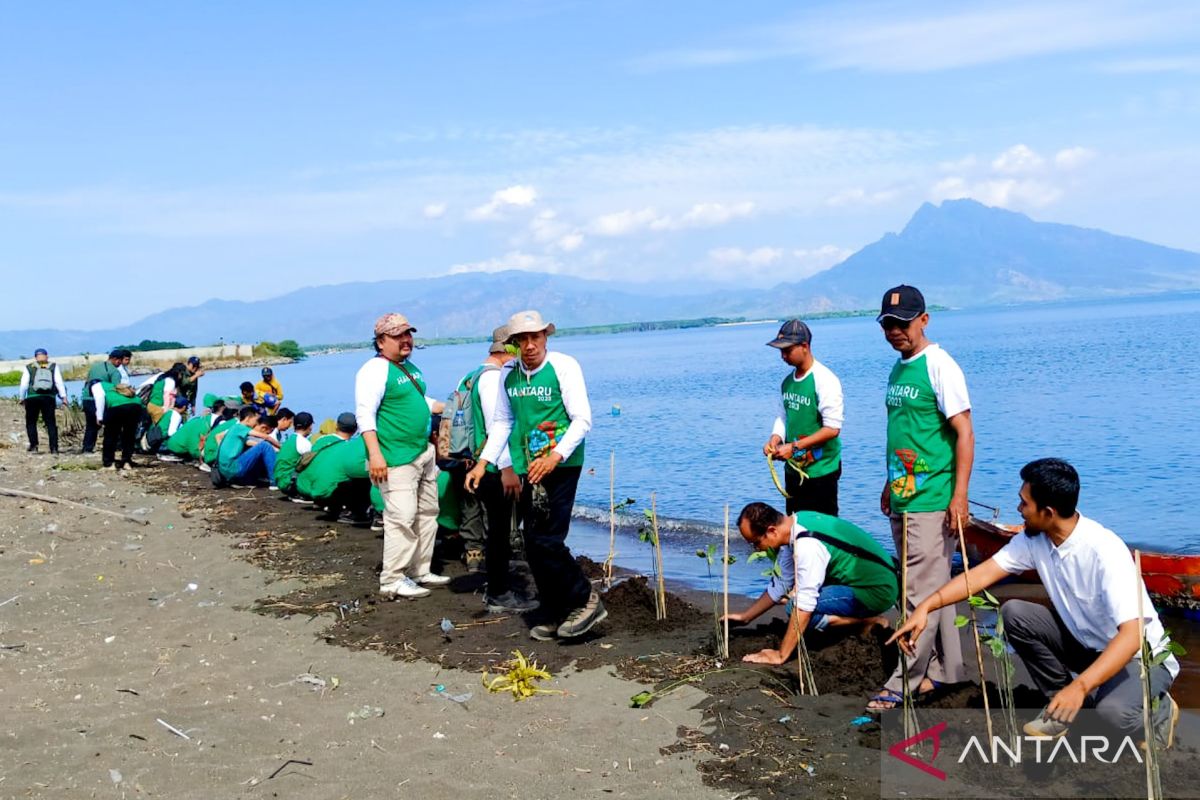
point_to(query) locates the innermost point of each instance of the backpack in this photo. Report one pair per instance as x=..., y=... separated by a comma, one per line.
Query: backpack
x=41, y=379
x=145, y=391
x=456, y=431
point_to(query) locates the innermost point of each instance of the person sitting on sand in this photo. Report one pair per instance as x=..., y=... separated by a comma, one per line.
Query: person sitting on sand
x=269, y=385
x=336, y=478
x=1084, y=649
x=290, y=452
x=246, y=453
x=167, y=426
x=184, y=444
x=210, y=443
x=284, y=419
x=834, y=573
x=246, y=397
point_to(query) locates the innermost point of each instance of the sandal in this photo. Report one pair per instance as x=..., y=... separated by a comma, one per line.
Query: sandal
x=884, y=700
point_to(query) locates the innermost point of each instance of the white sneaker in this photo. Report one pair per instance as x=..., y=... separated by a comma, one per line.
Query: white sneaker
x=404, y=587
x=273, y=488
x=429, y=579
x=205, y=467
x=169, y=458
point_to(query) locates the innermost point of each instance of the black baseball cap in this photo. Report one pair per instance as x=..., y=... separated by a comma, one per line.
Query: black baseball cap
x=902, y=302
x=267, y=371
x=792, y=332
x=347, y=422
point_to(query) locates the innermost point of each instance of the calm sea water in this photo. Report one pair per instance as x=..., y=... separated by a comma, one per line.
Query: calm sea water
x=1112, y=387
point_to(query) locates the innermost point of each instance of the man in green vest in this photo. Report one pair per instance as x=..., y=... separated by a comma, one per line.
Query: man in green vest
x=806, y=434
x=393, y=413
x=184, y=444
x=41, y=384
x=335, y=477
x=493, y=489
x=161, y=432
x=930, y=449
x=543, y=414
x=831, y=574
x=120, y=410
x=100, y=371
x=210, y=443
x=290, y=452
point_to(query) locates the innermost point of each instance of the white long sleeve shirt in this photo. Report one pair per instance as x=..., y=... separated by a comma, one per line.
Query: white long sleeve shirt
x=168, y=389
x=491, y=385
x=575, y=401
x=23, y=390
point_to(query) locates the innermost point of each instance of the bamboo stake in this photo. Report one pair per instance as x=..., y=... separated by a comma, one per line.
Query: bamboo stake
x=45, y=498
x=725, y=564
x=661, y=589
x=987, y=709
x=906, y=696
x=612, y=517
x=1153, y=789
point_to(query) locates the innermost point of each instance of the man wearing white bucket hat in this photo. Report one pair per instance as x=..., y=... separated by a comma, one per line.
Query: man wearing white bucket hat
x=543, y=414
x=393, y=414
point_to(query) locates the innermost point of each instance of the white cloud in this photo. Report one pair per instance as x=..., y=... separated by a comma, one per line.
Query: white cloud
x=511, y=260
x=1018, y=159
x=891, y=38
x=709, y=215
x=861, y=197
x=1073, y=157
x=570, y=243
x=514, y=196
x=700, y=215
x=623, y=223
x=735, y=255
x=1152, y=65
x=1010, y=193
x=434, y=211
x=822, y=258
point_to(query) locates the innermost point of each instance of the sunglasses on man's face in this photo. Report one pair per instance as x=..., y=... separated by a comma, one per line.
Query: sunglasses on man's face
x=888, y=323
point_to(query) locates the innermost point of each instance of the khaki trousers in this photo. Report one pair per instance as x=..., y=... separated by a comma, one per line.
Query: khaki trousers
x=931, y=545
x=410, y=511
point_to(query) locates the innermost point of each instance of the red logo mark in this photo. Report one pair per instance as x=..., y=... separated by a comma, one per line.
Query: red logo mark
x=934, y=733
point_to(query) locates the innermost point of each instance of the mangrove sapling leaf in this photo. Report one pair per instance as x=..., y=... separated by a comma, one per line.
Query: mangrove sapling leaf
x=759, y=555
x=961, y=621
x=730, y=559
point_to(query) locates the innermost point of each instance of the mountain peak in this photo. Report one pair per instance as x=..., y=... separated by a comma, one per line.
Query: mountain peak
x=960, y=214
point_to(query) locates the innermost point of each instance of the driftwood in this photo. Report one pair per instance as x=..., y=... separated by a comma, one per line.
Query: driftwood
x=45, y=498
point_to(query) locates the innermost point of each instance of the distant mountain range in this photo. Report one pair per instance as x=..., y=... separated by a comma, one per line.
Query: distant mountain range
x=960, y=254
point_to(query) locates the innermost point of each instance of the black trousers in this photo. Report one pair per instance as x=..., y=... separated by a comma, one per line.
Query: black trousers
x=497, y=509
x=91, y=428
x=353, y=496
x=562, y=586
x=42, y=404
x=814, y=494
x=120, y=427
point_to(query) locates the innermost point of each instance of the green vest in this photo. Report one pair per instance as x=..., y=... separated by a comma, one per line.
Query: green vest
x=868, y=576
x=114, y=399
x=478, y=425
x=539, y=417
x=211, y=445
x=286, y=460
x=402, y=421
x=338, y=460
x=803, y=417
x=186, y=441
x=164, y=422
x=920, y=442
x=157, y=390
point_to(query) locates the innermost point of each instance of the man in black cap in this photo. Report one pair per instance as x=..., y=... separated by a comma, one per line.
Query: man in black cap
x=930, y=449
x=806, y=434
x=41, y=383
x=268, y=385
x=100, y=372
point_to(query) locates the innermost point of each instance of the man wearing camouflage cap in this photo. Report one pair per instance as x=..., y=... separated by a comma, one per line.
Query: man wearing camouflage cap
x=393, y=414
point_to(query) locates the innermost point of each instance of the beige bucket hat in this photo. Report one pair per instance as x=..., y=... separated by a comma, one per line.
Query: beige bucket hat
x=528, y=322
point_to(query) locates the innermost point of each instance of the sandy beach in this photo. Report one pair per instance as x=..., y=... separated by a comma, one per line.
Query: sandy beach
x=228, y=644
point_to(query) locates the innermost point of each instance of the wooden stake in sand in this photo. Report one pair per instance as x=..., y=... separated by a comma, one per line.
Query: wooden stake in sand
x=907, y=714
x=725, y=566
x=987, y=710
x=660, y=593
x=45, y=498
x=1153, y=784
x=612, y=517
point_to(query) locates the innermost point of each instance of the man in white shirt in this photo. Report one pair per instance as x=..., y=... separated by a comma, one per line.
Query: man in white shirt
x=41, y=384
x=1085, y=649
x=806, y=435
x=393, y=412
x=543, y=414
x=492, y=489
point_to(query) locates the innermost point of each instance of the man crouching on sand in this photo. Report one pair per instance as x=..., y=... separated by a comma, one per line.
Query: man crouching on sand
x=834, y=573
x=1084, y=649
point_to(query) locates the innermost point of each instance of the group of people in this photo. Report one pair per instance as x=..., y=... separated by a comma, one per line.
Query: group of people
x=512, y=436
x=1083, y=650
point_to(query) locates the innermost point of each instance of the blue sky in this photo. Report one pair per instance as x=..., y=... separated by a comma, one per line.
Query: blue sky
x=155, y=155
